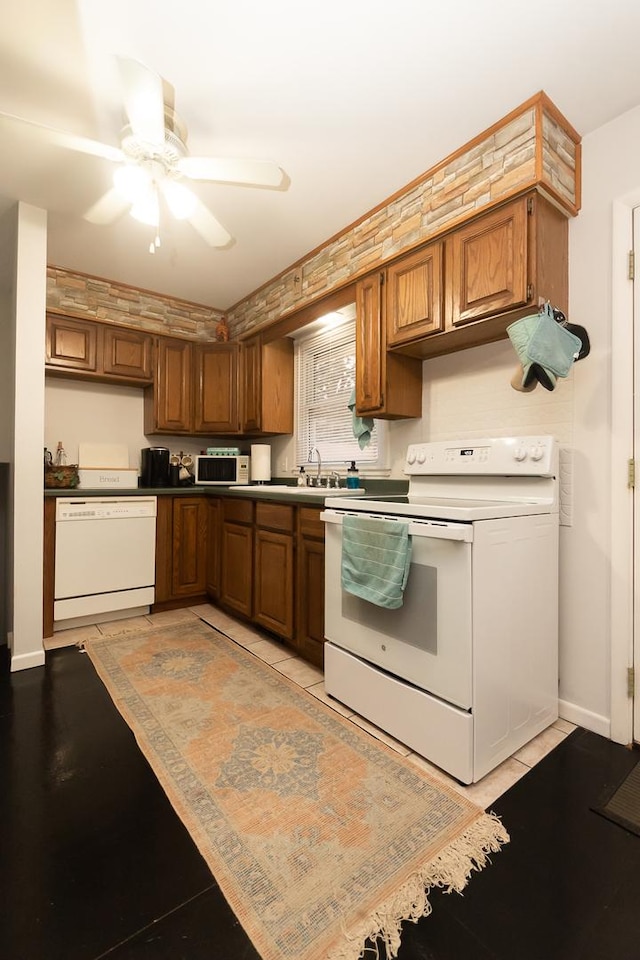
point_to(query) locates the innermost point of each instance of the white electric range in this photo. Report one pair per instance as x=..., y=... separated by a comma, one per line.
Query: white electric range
x=466, y=670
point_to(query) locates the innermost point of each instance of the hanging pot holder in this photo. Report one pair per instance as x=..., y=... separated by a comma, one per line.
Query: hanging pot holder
x=552, y=346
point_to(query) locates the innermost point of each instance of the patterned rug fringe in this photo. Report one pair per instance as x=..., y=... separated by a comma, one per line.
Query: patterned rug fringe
x=451, y=870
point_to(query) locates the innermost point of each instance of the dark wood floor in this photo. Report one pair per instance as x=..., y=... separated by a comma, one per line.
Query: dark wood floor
x=94, y=863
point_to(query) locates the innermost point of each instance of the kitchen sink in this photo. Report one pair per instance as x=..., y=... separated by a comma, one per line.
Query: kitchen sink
x=304, y=491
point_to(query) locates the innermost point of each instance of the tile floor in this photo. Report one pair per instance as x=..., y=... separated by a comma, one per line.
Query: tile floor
x=96, y=865
x=282, y=659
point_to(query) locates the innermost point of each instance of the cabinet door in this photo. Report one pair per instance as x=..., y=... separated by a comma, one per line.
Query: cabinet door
x=273, y=582
x=488, y=260
x=216, y=386
x=72, y=344
x=236, y=586
x=310, y=586
x=370, y=346
x=173, y=391
x=214, y=514
x=127, y=353
x=267, y=386
x=388, y=386
x=164, y=549
x=414, y=295
x=251, y=385
x=189, y=561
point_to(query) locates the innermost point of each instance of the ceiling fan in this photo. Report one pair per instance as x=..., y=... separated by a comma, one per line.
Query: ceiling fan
x=153, y=162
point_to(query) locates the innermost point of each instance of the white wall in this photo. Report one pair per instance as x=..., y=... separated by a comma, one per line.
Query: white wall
x=27, y=534
x=611, y=170
x=8, y=253
x=78, y=411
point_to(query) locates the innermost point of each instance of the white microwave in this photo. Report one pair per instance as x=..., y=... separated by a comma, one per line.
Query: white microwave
x=222, y=469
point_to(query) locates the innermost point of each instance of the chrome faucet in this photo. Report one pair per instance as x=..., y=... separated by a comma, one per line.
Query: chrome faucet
x=315, y=450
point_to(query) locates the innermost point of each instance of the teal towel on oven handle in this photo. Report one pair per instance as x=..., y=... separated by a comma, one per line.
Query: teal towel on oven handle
x=376, y=555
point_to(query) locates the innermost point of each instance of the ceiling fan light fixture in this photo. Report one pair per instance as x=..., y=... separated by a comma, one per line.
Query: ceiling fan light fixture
x=180, y=200
x=146, y=209
x=131, y=181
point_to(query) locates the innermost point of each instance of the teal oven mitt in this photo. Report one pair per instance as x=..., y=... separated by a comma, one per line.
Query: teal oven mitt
x=544, y=347
x=520, y=334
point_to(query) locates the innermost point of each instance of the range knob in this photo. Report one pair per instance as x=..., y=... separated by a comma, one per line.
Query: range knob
x=421, y=455
x=411, y=455
x=520, y=454
x=537, y=452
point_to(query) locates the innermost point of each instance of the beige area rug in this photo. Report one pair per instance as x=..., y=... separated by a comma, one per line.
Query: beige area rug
x=318, y=835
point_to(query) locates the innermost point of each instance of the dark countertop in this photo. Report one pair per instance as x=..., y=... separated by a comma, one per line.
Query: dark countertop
x=256, y=492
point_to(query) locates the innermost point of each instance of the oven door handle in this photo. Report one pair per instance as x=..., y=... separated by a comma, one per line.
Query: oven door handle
x=436, y=530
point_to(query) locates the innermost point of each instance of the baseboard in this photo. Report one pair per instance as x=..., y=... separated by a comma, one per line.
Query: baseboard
x=585, y=718
x=25, y=661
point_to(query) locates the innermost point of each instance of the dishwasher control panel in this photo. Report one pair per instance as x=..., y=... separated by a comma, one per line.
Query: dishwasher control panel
x=105, y=508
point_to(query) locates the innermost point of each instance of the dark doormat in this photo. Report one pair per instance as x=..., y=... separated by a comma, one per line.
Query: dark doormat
x=623, y=806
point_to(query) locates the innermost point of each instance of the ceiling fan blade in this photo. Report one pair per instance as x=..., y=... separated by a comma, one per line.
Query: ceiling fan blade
x=143, y=100
x=108, y=208
x=257, y=173
x=210, y=229
x=70, y=141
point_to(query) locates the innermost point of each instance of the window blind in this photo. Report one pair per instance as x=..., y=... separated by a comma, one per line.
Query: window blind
x=325, y=379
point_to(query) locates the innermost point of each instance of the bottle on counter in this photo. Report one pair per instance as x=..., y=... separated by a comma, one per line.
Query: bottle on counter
x=353, y=477
x=61, y=456
x=302, y=478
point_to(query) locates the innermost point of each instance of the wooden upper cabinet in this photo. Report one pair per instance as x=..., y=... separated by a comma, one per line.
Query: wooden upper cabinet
x=97, y=351
x=72, y=344
x=370, y=346
x=267, y=386
x=251, y=384
x=414, y=295
x=170, y=407
x=127, y=353
x=388, y=386
x=488, y=273
x=497, y=267
x=216, y=386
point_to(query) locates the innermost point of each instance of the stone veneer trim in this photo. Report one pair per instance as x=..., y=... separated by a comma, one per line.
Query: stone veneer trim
x=534, y=146
x=84, y=296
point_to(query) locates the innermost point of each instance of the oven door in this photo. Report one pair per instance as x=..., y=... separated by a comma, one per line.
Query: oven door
x=426, y=641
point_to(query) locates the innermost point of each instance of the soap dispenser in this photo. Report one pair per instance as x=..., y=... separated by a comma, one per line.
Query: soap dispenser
x=302, y=478
x=353, y=479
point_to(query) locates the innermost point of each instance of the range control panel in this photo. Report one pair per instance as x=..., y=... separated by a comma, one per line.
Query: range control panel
x=496, y=456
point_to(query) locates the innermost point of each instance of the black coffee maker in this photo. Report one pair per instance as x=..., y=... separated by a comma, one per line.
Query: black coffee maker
x=154, y=467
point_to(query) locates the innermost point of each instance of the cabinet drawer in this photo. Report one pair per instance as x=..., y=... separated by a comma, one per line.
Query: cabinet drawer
x=275, y=516
x=238, y=511
x=309, y=523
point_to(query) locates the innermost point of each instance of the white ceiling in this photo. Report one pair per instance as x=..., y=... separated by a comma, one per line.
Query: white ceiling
x=352, y=98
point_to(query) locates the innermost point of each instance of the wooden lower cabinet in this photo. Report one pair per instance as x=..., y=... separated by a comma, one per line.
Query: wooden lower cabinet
x=273, y=583
x=271, y=570
x=310, y=586
x=189, y=560
x=181, y=549
x=236, y=556
x=214, y=524
x=261, y=560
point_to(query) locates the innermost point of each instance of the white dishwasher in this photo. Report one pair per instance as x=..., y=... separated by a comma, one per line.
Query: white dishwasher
x=104, y=558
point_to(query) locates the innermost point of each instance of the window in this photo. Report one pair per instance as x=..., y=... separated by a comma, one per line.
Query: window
x=325, y=367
